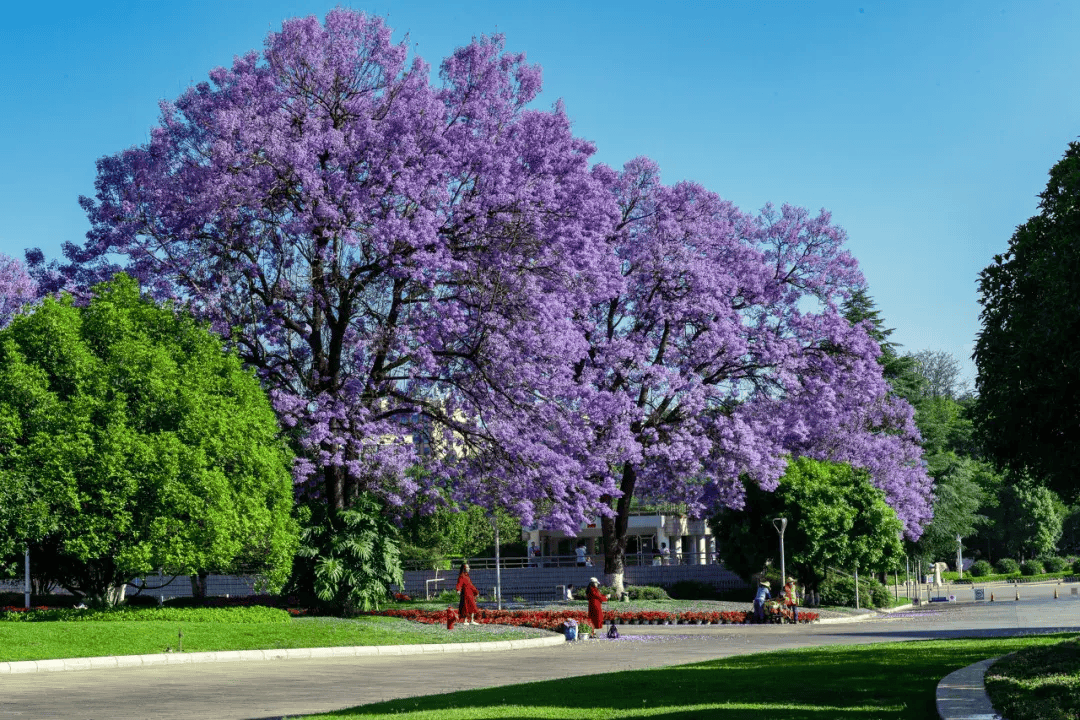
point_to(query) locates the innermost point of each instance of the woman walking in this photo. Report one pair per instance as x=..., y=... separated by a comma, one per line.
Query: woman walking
x=596, y=610
x=467, y=605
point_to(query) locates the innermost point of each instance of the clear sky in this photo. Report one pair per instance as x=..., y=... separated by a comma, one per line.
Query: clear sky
x=927, y=128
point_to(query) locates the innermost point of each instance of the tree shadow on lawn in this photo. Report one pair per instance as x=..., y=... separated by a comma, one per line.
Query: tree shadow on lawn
x=894, y=680
x=888, y=635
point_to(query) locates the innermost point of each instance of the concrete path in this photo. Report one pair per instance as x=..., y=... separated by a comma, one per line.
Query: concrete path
x=272, y=689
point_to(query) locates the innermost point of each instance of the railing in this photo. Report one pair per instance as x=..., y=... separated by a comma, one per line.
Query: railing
x=568, y=561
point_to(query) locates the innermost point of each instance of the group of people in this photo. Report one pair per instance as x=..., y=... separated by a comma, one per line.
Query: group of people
x=467, y=608
x=790, y=598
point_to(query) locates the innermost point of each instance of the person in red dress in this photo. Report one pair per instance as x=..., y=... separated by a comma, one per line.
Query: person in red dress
x=467, y=605
x=596, y=610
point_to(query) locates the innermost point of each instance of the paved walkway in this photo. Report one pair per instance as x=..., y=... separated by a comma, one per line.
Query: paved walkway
x=271, y=689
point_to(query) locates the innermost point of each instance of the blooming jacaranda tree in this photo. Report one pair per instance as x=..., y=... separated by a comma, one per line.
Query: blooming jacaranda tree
x=397, y=259
x=402, y=260
x=17, y=288
x=724, y=351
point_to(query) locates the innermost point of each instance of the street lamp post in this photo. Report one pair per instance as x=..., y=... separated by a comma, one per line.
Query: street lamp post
x=959, y=557
x=781, y=524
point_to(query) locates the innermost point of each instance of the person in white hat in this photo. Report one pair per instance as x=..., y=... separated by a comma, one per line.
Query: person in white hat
x=762, y=595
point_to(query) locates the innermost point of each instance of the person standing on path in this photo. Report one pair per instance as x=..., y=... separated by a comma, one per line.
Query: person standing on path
x=595, y=598
x=467, y=609
x=791, y=598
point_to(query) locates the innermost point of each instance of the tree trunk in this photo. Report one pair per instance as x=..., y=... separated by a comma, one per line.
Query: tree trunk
x=614, y=531
x=114, y=595
x=198, y=585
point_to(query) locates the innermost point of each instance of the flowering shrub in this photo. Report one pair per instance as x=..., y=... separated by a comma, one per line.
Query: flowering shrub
x=554, y=619
x=402, y=597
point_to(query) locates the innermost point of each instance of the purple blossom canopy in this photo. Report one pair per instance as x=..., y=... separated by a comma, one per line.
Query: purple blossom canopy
x=17, y=288
x=400, y=259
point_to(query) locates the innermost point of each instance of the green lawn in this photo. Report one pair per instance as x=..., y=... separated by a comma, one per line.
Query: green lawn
x=893, y=680
x=952, y=576
x=47, y=640
x=1038, y=683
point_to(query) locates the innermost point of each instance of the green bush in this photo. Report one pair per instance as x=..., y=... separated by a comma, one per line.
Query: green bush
x=646, y=592
x=692, y=590
x=1055, y=564
x=1076, y=567
x=1031, y=567
x=415, y=557
x=980, y=568
x=882, y=596
x=840, y=590
x=1007, y=566
x=450, y=597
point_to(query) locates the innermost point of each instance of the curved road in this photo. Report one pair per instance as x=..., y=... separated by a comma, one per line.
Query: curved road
x=271, y=689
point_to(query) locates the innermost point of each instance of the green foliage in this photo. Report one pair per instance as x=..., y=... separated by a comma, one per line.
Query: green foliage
x=1030, y=517
x=1007, y=566
x=1069, y=543
x=980, y=568
x=1054, y=564
x=1032, y=567
x=450, y=532
x=839, y=590
x=958, y=499
x=245, y=615
x=1026, y=351
x=647, y=592
x=1076, y=567
x=347, y=559
x=692, y=590
x=898, y=370
x=447, y=596
x=836, y=517
x=414, y=556
x=129, y=442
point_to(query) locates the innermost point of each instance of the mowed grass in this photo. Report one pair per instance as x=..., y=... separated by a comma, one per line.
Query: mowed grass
x=1038, y=683
x=853, y=682
x=48, y=640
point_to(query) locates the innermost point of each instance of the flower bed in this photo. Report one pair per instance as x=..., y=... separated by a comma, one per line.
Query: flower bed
x=553, y=619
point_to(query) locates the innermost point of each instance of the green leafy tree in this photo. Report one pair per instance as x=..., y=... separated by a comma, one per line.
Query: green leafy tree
x=958, y=503
x=131, y=441
x=836, y=518
x=1028, y=368
x=347, y=558
x=898, y=370
x=465, y=531
x=1030, y=519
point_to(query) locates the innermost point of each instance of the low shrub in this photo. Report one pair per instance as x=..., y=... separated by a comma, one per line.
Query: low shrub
x=647, y=592
x=840, y=590
x=691, y=590
x=1076, y=567
x=449, y=597
x=1055, y=564
x=980, y=568
x=1031, y=567
x=1007, y=566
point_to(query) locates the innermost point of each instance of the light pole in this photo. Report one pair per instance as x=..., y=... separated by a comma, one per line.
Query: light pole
x=498, y=568
x=959, y=557
x=26, y=578
x=781, y=524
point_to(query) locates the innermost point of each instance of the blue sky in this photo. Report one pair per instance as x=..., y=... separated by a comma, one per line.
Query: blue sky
x=927, y=128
